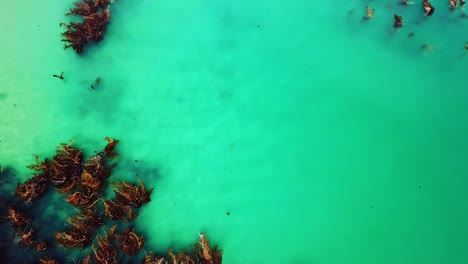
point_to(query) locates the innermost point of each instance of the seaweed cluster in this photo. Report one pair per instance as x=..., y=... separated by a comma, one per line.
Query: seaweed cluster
x=369, y=12
x=427, y=8
x=23, y=232
x=96, y=16
x=82, y=182
x=200, y=252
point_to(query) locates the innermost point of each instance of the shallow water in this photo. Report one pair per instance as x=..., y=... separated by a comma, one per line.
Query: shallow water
x=329, y=139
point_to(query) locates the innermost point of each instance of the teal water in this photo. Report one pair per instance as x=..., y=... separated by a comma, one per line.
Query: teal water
x=329, y=139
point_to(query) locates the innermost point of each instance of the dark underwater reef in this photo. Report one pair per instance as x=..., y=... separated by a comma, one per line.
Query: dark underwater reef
x=35, y=228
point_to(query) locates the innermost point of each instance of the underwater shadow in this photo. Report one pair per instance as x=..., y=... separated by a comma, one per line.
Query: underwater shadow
x=102, y=103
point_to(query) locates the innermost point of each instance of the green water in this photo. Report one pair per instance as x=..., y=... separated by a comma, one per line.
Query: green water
x=328, y=139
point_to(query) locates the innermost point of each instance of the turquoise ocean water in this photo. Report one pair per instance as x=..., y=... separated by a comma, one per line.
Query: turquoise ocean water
x=329, y=139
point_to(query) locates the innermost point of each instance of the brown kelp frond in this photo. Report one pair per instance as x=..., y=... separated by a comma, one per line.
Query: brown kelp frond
x=84, y=8
x=152, y=259
x=397, y=21
x=112, y=234
x=217, y=255
x=105, y=252
x=172, y=256
x=65, y=165
x=80, y=223
x=84, y=199
x=130, y=243
x=48, y=260
x=40, y=246
x=41, y=166
x=109, y=149
x=102, y=3
x=65, y=154
x=130, y=194
x=17, y=219
x=94, y=219
x=117, y=211
x=68, y=185
x=97, y=167
x=88, y=7
x=86, y=260
x=181, y=257
x=91, y=182
x=27, y=238
x=207, y=254
x=91, y=29
x=96, y=16
x=204, y=248
x=76, y=35
x=73, y=238
x=33, y=188
x=85, y=223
